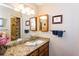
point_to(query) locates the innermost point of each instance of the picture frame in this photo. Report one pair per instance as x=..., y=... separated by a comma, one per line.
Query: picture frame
x=57, y=19
x=27, y=22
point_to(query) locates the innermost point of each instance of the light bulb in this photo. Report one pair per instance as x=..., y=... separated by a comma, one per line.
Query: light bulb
x=23, y=11
x=16, y=9
x=32, y=12
x=21, y=7
x=28, y=9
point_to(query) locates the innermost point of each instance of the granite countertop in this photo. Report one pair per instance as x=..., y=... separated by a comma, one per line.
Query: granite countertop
x=24, y=50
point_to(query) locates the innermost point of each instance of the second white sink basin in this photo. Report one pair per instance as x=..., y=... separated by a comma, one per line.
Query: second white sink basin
x=39, y=41
x=34, y=43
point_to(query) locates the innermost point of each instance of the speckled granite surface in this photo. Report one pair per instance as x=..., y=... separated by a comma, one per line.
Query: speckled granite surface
x=22, y=49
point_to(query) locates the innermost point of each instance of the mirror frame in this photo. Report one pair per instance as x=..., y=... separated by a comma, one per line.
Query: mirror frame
x=35, y=29
x=46, y=23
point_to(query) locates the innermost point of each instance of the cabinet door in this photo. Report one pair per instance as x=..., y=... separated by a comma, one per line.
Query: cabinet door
x=42, y=53
x=44, y=50
x=35, y=53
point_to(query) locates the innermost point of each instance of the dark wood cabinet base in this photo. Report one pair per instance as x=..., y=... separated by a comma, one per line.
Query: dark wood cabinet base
x=41, y=51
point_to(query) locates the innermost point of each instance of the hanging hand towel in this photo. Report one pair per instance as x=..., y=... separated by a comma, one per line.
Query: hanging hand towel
x=60, y=33
x=54, y=32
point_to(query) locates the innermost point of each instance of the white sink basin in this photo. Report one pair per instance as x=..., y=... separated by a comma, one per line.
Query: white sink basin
x=34, y=43
x=39, y=41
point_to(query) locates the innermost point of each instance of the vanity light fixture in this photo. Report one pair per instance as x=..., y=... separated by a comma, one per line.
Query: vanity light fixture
x=25, y=10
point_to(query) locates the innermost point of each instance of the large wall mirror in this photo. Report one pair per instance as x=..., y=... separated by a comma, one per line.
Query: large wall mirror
x=33, y=23
x=44, y=23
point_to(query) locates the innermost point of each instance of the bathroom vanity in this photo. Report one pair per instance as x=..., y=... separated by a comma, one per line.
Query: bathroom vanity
x=41, y=51
x=39, y=47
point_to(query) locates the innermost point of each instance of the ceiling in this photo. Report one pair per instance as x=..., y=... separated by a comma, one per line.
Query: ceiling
x=23, y=7
x=25, y=4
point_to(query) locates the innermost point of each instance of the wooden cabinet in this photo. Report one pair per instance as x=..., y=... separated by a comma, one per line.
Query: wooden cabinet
x=41, y=51
x=15, y=28
x=35, y=53
x=44, y=50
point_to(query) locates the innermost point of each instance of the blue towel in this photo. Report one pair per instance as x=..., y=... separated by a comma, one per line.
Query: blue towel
x=54, y=32
x=60, y=33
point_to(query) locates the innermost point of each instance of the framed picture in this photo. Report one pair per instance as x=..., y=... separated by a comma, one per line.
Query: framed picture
x=57, y=19
x=27, y=23
x=1, y=22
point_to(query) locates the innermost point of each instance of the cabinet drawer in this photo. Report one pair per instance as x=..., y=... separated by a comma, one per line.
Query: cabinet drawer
x=35, y=53
x=45, y=46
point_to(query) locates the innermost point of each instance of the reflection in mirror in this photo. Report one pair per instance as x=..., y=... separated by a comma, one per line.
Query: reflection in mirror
x=44, y=23
x=33, y=23
x=15, y=28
